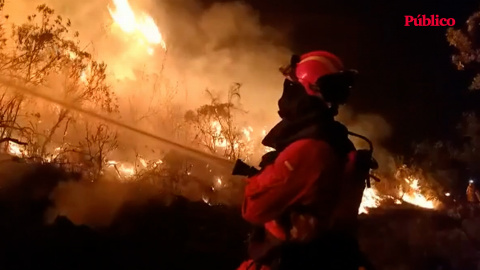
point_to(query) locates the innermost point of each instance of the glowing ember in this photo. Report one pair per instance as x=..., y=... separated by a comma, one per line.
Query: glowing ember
x=206, y=200
x=217, y=184
x=142, y=27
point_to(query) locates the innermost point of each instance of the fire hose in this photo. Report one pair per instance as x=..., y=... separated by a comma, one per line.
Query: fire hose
x=10, y=84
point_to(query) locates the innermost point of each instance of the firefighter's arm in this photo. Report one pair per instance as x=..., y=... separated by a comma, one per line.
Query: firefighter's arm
x=285, y=181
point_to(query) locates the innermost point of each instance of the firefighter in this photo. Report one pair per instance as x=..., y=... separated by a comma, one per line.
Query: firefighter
x=473, y=198
x=473, y=195
x=304, y=201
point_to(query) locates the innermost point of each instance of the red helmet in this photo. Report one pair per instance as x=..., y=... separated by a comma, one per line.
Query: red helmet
x=308, y=68
x=314, y=65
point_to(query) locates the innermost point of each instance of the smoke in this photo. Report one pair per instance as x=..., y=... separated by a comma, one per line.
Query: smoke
x=96, y=204
x=207, y=47
x=376, y=129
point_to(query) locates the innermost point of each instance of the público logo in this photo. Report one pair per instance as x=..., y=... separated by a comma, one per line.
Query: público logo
x=432, y=20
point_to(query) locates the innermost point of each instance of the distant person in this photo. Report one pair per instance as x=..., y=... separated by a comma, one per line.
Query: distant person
x=305, y=200
x=473, y=198
x=473, y=194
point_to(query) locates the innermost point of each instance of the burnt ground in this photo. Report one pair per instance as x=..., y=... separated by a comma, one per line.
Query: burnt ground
x=194, y=235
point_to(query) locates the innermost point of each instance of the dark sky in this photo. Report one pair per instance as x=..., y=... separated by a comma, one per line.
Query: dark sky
x=406, y=72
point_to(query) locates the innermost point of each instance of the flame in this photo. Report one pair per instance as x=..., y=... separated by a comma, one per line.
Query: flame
x=414, y=196
x=219, y=139
x=71, y=55
x=247, y=132
x=247, y=139
x=124, y=170
x=370, y=199
x=83, y=77
x=14, y=149
x=142, y=27
x=84, y=73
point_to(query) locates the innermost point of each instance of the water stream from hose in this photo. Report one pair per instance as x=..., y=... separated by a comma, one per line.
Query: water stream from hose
x=216, y=160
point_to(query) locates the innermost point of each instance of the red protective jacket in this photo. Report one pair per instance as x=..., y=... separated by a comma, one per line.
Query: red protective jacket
x=307, y=172
x=292, y=179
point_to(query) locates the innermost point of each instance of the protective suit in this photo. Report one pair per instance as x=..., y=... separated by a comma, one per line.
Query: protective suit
x=304, y=201
x=473, y=195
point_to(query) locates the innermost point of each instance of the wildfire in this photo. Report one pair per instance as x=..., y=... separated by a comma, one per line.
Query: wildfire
x=220, y=140
x=413, y=195
x=141, y=27
x=248, y=139
x=128, y=171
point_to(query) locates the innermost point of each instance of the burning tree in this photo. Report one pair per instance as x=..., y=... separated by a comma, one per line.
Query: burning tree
x=42, y=52
x=215, y=128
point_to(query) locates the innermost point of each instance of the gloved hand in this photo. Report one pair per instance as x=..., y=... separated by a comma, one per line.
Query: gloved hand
x=268, y=159
x=242, y=168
